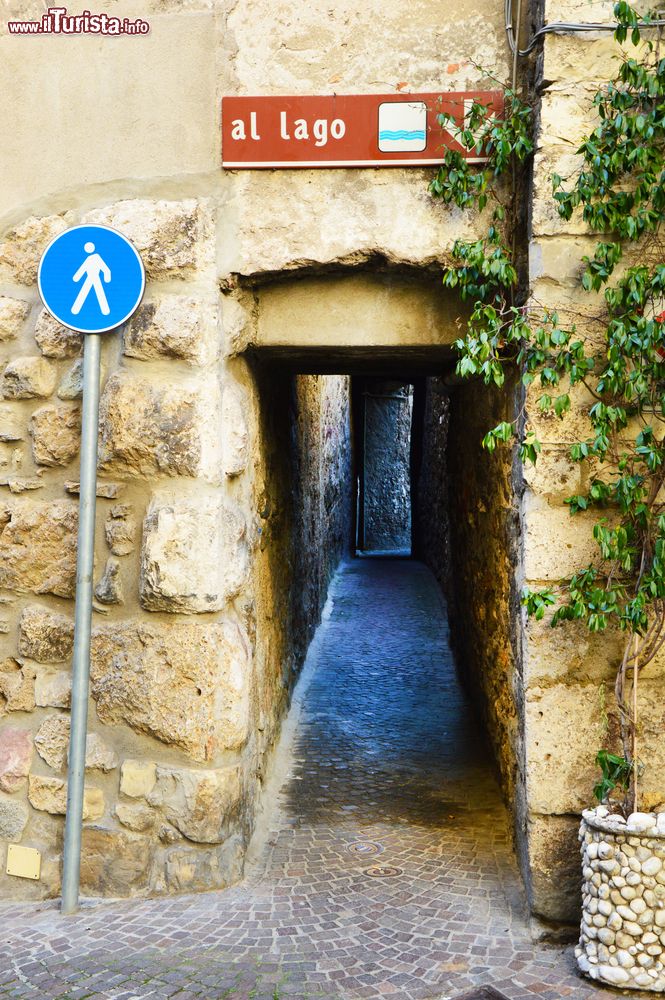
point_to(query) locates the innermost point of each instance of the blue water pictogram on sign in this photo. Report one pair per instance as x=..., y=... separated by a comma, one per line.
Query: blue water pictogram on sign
x=91, y=279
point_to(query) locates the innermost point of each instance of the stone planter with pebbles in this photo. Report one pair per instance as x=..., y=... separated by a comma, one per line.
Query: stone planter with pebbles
x=622, y=937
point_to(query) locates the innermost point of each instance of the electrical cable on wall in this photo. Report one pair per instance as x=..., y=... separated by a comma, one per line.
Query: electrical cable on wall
x=561, y=27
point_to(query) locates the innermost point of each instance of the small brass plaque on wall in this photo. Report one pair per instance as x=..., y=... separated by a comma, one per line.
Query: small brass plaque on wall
x=24, y=862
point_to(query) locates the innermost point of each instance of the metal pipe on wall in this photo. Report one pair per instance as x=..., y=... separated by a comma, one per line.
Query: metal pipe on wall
x=559, y=27
x=82, y=623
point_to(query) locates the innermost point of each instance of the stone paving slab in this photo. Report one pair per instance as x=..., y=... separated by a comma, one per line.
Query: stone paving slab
x=484, y=993
x=381, y=750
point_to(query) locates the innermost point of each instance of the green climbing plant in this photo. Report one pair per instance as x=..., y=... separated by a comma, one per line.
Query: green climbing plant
x=616, y=361
x=615, y=773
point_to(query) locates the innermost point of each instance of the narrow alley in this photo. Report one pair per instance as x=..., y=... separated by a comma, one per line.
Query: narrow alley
x=385, y=866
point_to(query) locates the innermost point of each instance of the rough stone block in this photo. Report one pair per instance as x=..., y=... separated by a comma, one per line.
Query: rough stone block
x=574, y=305
x=99, y=756
x=52, y=741
x=13, y=818
x=113, y=862
x=109, y=491
x=137, y=778
x=45, y=636
x=173, y=237
x=238, y=320
x=56, y=433
x=560, y=758
x=54, y=340
x=582, y=63
x=235, y=435
x=575, y=545
x=555, y=874
x=17, y=686
x=598, y=11
x=555, y=475
x=18, y=486
x=190, y=870
x=120, y=529
x=136, y=817
x=550, y=159
x=38, y=547
x=176, y=326
x=194, y=555
x=186, y=685
x=168, y=834
x=655, y=669
x=28, y=378
x=12, y=424
x=22, y=248
x=569, y=653
x=284, y=238
x=93, y=804
x=652, y=740
x=573, y=426
x=71, y=384
x=149, y=428
x=13, y=314
x=53, y=689
x=109, y=589
x=11, y=460
x=559, y=260
x=15, y=757
x=50, y=795
x=200, y=804
x=568, y=117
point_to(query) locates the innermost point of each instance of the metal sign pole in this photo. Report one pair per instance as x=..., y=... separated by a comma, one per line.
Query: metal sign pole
x=76, y=271
x=82, y=623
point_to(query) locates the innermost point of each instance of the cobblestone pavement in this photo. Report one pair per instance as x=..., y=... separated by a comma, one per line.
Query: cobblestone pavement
x=386, y=869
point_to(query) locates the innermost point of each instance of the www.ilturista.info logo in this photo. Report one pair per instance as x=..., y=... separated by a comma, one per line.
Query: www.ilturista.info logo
x=56, y=21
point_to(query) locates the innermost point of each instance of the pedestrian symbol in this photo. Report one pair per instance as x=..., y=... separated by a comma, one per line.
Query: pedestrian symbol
x=91, y=279
x=91, y=267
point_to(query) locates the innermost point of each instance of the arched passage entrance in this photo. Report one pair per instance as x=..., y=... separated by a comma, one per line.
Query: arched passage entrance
x=322, y=346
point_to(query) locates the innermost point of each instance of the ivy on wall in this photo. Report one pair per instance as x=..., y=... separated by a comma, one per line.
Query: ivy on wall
x=620, y=365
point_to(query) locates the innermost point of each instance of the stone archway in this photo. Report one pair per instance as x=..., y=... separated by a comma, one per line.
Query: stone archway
x=309, y=336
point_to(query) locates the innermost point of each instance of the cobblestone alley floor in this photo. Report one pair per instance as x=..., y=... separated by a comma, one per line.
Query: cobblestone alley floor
x=379, y=755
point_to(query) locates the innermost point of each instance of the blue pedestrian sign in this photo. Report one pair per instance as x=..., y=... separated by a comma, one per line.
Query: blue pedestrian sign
x=91, y=279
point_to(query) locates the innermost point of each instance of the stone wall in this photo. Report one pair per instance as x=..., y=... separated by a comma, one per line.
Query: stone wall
x=477, y=558
x=323, y=496
x=386, y=479
x=568, y=673
x=191, y=665
x=542, y=694
x=431, y=529
x=210, y=493
x=467, y=529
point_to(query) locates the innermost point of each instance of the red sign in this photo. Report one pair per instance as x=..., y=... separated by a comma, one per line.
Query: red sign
x=370, y=130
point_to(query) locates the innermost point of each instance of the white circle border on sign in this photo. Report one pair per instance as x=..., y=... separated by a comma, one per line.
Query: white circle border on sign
x=108, y=229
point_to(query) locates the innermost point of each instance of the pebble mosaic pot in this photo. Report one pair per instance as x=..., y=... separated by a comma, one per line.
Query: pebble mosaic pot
x=622, y=937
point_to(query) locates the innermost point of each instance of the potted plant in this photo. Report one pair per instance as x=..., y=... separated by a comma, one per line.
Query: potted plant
x=620, y=193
